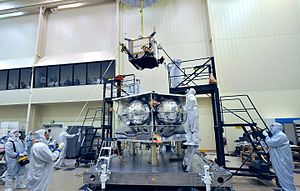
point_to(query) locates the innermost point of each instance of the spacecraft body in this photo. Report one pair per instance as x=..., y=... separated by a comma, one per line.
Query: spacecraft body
x=143, y=115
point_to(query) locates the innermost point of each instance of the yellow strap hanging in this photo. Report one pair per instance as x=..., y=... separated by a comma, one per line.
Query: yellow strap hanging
x=142, y=16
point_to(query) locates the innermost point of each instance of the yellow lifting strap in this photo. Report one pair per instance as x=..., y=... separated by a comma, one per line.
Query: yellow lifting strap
x=142, y=16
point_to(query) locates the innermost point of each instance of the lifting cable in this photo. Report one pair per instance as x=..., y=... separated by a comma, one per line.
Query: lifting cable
x=91, y=92
x=142, y=16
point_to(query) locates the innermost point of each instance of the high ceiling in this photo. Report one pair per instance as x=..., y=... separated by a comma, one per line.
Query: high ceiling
x=32, y=6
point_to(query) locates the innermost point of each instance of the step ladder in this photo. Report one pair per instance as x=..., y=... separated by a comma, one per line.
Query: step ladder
x=92, y=116
x=88, y=133
x=103, y=161
x=86, y=152
x=105, y=154
x=240, y=111
x=297, y=129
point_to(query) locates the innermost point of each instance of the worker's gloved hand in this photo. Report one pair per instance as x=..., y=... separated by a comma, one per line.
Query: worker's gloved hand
x=265, y=133
x=21, y=155
x=26, y=153
x=60, y=147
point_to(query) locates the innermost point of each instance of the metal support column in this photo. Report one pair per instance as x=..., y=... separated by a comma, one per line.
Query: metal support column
x=104, y=110
x=218, y=127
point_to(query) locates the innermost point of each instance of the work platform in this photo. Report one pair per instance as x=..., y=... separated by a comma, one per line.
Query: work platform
x=136, y=170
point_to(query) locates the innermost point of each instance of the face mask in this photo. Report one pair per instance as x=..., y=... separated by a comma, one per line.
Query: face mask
x=14, y=134
x=17, y=134
x=275, y=128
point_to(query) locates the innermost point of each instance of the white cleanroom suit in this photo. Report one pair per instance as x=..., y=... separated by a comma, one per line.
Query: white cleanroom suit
x=14, y=148
x=62, y=138
x=192, y=121
x=41, y=163
x=28, y=142
x=175, y=72
x=281, y=157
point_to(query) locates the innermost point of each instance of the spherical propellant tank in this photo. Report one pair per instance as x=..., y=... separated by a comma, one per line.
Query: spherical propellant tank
x=170, y=112
x=135, y=113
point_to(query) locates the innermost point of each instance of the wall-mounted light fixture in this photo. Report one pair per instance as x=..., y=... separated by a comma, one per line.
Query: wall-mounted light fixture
x=68, y=6
x=13, y=14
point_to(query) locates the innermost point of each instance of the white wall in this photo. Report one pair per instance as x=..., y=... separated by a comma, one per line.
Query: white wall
x=277, y=104
x=17, y=37
x=75, y=35
x=14, y=97
x=62, y=113
x=19, y=113
x=181, y=29
x=256, y=45
x=67, y=94
x=65, y=113
x=81, y=30
x=52, y=95
x=15, y=113
x=206, y=125
x=231, y=134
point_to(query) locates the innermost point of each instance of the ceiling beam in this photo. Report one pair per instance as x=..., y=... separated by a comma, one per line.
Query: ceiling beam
x=33, y=6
